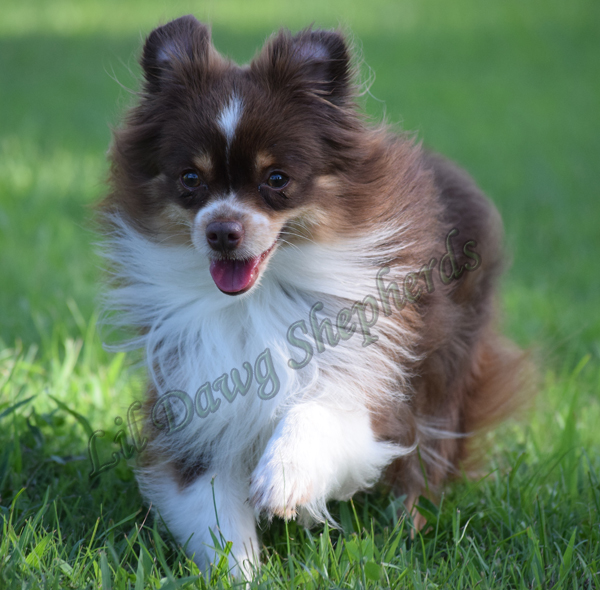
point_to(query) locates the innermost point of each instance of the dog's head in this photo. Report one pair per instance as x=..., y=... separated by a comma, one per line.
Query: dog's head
x=238, y=161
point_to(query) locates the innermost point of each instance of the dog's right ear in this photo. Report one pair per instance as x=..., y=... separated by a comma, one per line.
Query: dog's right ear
x=177, y=46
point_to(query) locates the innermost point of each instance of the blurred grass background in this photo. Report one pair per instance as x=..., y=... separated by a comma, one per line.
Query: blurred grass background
x=509, y=89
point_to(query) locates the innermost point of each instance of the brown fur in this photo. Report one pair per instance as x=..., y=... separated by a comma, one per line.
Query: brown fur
x=471, y=377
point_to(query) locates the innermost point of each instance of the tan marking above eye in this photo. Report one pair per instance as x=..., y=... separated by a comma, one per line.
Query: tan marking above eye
x=263, y=160
x=204, y=164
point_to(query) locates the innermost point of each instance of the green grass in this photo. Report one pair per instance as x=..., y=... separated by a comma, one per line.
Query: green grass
x=509, y=89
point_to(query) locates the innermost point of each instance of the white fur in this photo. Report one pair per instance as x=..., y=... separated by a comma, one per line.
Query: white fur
x=214, y=502
x=318, y=452
x=313, y=440
x=259, y=234
x=229, y=118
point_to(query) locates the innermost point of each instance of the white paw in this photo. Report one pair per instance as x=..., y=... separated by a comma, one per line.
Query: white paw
x=280, y=487
x=317, y=453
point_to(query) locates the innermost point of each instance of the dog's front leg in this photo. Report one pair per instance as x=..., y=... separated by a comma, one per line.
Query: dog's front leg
x=216, y=502
x=318, y=451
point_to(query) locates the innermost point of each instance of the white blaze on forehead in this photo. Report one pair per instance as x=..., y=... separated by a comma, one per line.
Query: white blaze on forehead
x=230, y=117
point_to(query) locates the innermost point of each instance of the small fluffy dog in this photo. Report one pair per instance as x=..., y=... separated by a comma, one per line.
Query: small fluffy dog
x=314, y=294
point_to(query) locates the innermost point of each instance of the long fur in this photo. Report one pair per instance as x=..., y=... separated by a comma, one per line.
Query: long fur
x=400, y=397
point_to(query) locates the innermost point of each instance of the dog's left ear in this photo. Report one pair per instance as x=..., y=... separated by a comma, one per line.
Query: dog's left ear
x=313, y=60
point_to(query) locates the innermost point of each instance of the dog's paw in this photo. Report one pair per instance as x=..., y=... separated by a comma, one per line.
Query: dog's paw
x=279, y=488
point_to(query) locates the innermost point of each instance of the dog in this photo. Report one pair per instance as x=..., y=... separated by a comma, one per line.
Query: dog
x=314, y=294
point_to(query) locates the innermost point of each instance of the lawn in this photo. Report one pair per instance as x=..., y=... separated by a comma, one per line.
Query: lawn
x=509, y=89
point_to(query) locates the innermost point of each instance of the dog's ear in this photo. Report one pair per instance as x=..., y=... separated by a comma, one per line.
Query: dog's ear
x=317, y=61
x=177, y=45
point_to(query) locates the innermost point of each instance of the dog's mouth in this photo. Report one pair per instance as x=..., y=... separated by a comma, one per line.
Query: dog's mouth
x=235, y=277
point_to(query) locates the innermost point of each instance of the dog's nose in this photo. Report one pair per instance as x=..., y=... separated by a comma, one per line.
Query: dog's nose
x=224, y=235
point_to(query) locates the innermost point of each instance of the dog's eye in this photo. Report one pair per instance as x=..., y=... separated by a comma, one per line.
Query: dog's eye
x=191, y=179
x=277, y=180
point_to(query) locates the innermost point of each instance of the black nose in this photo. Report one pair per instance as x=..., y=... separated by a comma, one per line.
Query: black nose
x=224, y=235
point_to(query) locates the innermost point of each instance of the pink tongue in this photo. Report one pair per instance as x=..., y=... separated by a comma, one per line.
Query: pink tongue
x=233, y=276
